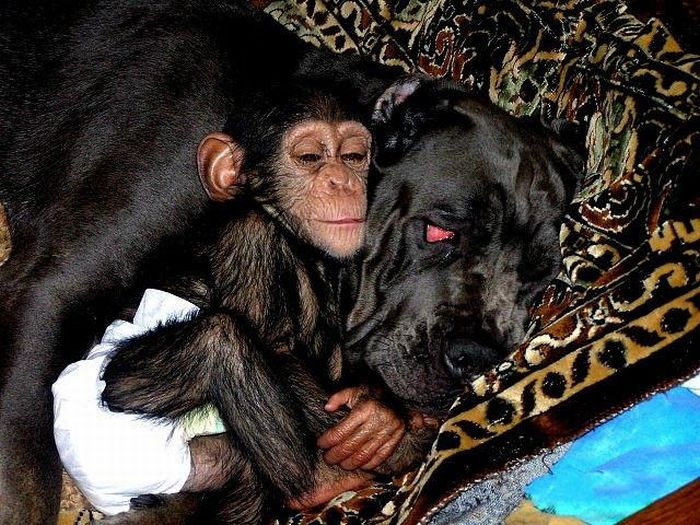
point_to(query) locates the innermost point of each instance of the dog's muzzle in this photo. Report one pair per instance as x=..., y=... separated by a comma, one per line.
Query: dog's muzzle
x=465, y=359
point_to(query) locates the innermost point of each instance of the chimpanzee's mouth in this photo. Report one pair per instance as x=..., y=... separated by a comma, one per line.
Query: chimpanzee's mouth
x=344, y=221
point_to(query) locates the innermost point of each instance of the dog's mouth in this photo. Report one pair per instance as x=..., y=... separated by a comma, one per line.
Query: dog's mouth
x=428, y=366
x=432, y=408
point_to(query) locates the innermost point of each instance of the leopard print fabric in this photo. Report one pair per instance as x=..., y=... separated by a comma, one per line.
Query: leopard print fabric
x=620, y=321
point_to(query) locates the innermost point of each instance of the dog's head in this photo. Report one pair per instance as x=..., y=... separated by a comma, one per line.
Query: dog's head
x=463, y=233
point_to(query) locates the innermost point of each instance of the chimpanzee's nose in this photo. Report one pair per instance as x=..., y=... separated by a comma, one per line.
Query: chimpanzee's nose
x=340, y=181
x=466, y=359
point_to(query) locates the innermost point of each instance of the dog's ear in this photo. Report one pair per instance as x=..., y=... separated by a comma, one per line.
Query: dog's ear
x=567, y=163
x=549, y=172
x=406, y=109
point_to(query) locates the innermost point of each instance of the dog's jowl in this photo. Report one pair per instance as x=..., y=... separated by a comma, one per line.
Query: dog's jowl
x=463, y=234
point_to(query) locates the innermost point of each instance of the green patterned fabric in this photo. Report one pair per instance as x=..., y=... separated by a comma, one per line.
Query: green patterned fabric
x=622, y=320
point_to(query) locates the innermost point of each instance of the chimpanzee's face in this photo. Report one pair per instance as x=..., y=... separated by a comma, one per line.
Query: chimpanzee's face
x=322, y=172
x=316, y=183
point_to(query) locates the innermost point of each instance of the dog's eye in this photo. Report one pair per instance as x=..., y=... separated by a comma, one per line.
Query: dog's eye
x=436, y=234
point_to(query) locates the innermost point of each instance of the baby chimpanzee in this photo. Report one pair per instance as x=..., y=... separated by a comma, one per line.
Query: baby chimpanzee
x=266, y=349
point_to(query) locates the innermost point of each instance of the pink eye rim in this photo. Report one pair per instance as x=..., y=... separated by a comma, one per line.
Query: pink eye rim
x=435, y=234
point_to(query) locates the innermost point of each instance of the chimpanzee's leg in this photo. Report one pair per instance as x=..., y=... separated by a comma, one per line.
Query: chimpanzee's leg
x=181, y=366
x=241, y=500
x=159, y=509
x=245, y=501
x=273, y=404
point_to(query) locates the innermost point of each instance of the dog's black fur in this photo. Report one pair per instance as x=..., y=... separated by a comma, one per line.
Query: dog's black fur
x=102, y=104
x=431, y=316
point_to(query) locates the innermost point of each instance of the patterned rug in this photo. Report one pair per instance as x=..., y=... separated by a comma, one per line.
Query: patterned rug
x=75, y=510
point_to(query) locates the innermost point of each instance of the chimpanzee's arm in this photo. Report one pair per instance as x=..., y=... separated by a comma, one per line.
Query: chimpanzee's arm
x=270, y=403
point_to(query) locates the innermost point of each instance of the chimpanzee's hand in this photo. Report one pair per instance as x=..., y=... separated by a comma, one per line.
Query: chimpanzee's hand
x=366, y=437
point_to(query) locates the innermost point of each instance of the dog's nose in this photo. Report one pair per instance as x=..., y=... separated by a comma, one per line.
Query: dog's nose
x=466, y=359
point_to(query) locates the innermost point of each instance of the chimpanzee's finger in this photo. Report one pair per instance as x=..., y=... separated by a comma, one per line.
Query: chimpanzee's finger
x=342, y=398
x=360, y=447
x=343, y=430
x=345, y=450
x=385, y=451
x=368, y=450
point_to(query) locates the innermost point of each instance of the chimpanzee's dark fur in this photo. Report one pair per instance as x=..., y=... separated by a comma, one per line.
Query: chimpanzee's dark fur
x=262, y=352
x=265, y=350
x=102, y=104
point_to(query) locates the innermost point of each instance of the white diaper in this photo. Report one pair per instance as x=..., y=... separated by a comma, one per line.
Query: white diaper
x=115, y=456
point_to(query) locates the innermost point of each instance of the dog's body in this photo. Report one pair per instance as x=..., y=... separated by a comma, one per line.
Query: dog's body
x=102, y=104
x=462, y=234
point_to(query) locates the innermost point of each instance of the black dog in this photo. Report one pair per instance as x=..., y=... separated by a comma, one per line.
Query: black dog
x=462, y=235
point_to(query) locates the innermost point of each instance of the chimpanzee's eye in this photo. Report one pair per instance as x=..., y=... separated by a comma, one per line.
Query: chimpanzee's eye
x=309, y=158
x=353, y=158
x=435, y=233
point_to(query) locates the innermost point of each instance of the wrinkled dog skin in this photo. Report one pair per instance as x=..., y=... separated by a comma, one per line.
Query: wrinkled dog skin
x=463, y=233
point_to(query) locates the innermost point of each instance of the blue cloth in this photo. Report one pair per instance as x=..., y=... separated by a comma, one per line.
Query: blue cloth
x=625, y=464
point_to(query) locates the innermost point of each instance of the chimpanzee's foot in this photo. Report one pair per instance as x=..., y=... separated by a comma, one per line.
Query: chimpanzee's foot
x=157, y=509
x=328, y=487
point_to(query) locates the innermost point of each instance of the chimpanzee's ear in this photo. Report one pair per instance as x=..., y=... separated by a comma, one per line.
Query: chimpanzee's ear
x=219, y=162
x=404, y=111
